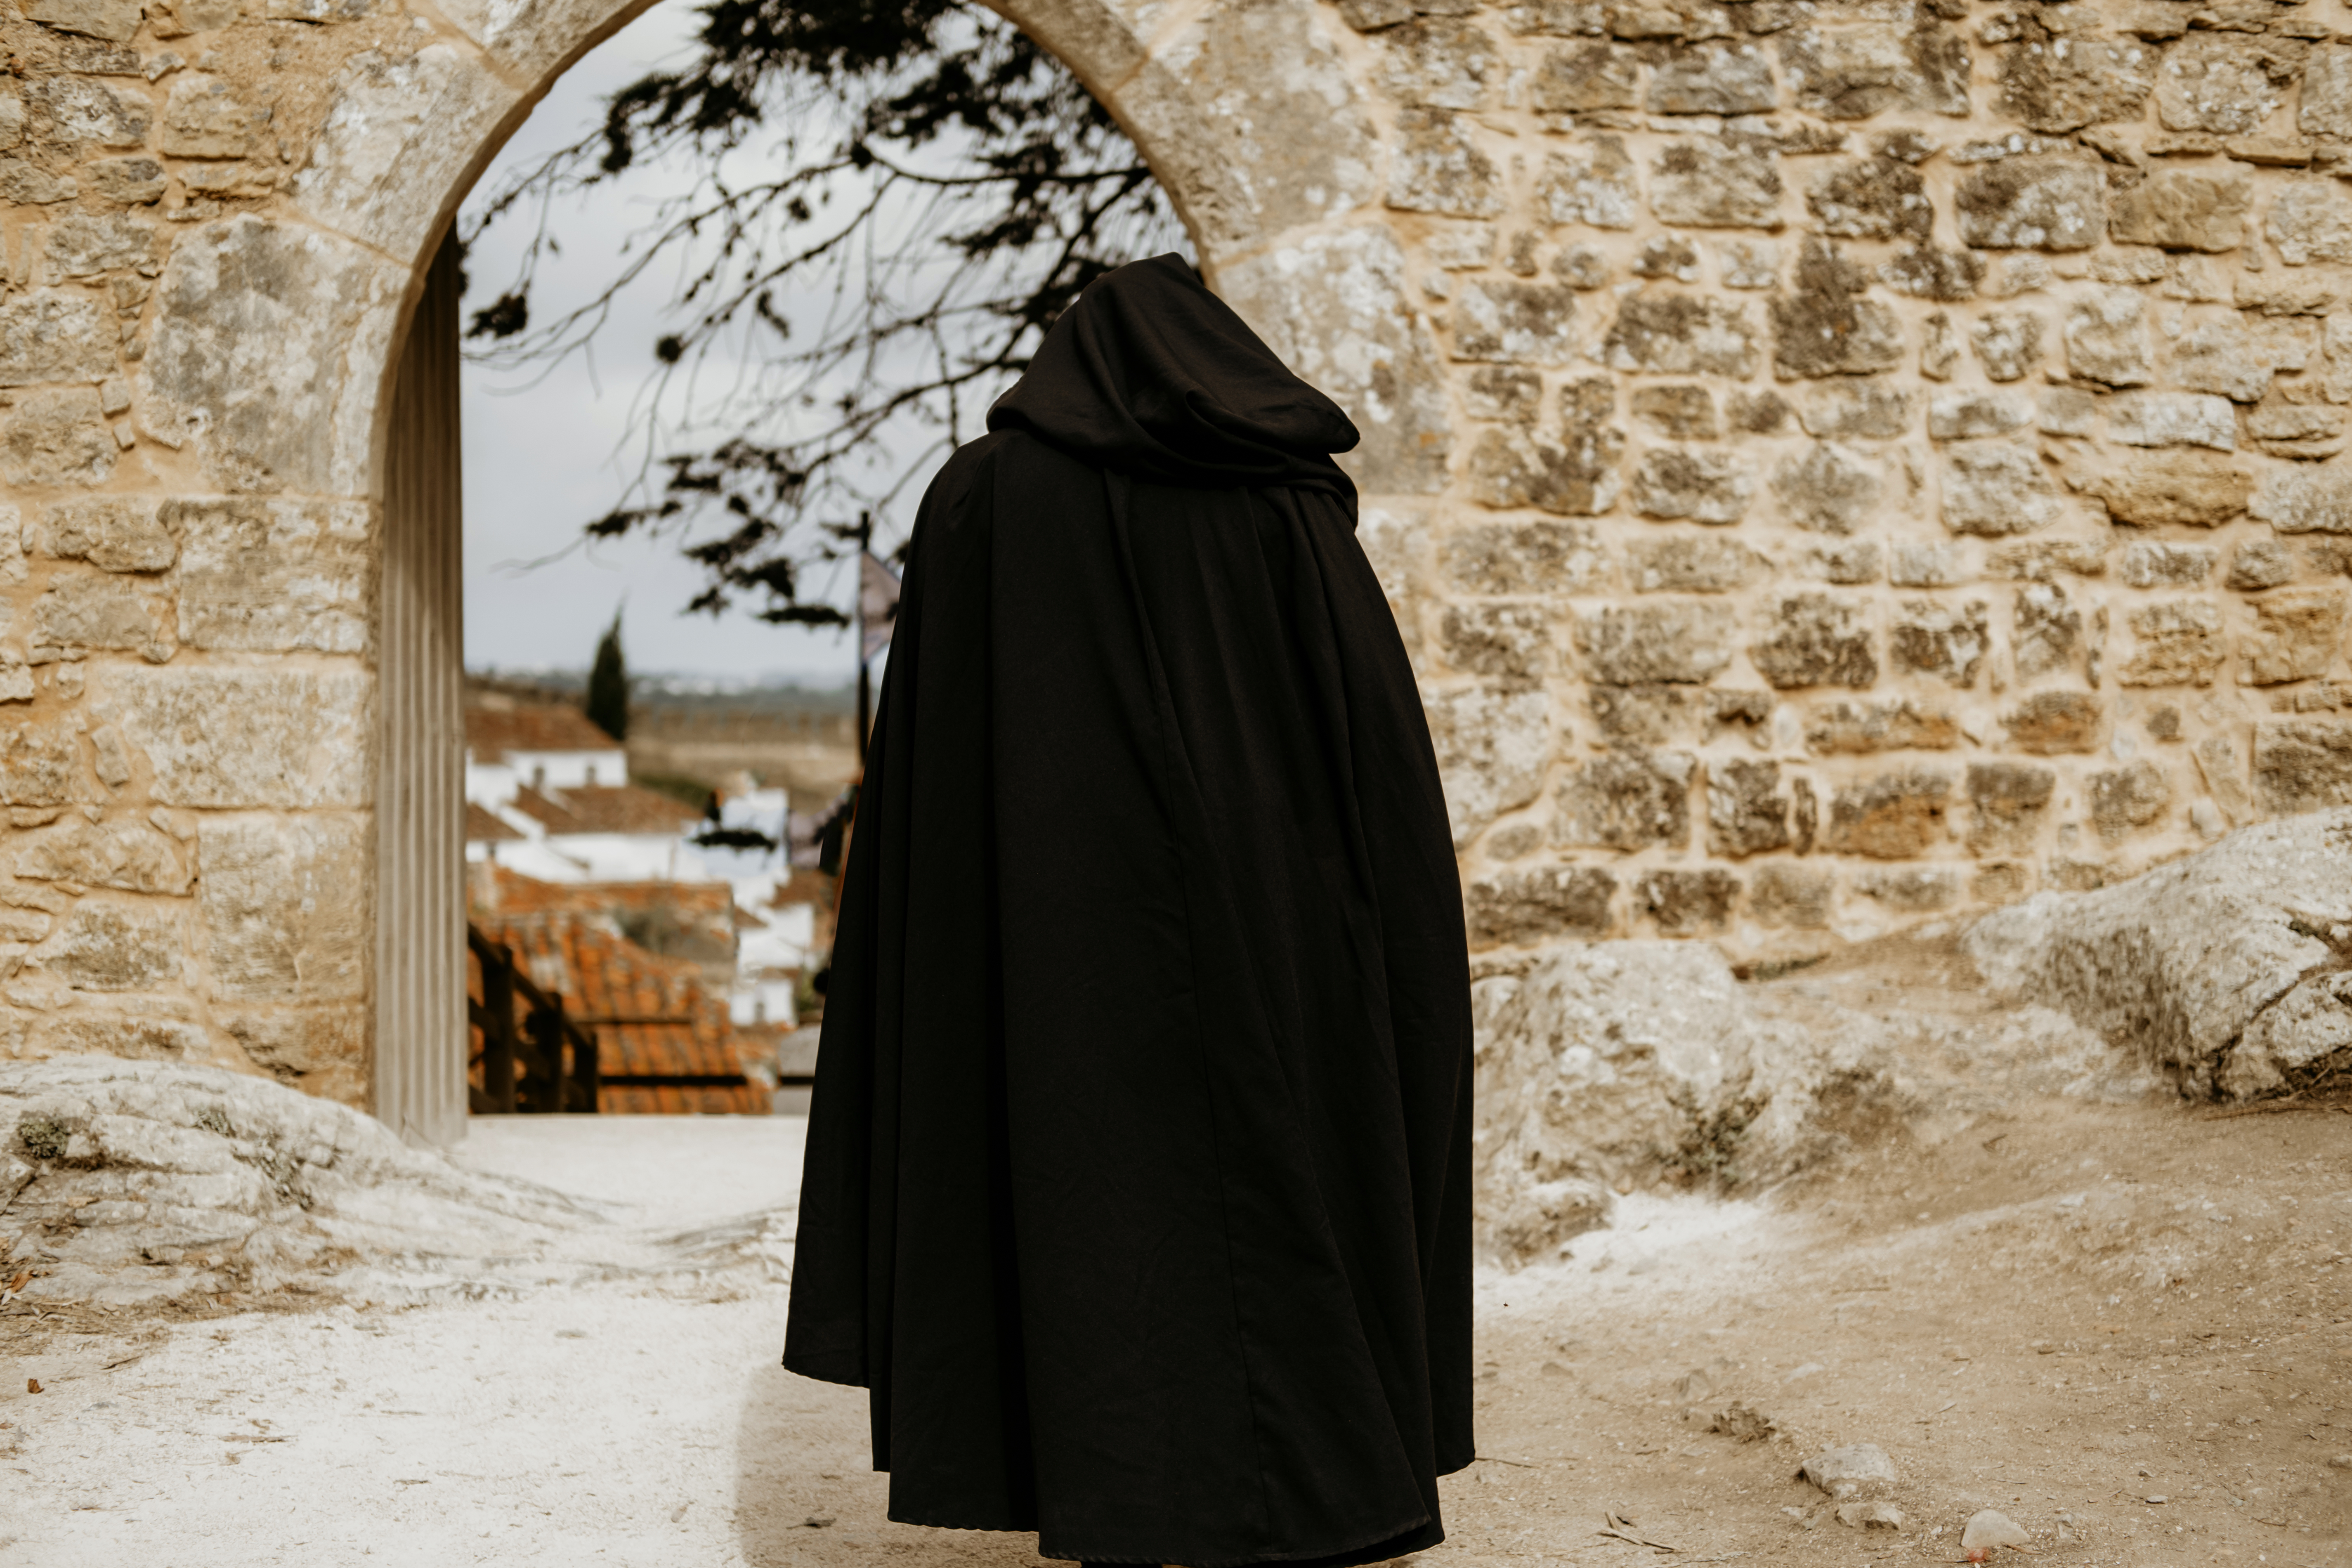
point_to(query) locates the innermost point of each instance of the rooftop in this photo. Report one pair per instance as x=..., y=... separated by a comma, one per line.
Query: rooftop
x=605, y=808
x=492, y=732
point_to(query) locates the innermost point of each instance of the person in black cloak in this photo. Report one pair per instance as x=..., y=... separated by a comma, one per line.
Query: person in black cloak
x=1137, y=1179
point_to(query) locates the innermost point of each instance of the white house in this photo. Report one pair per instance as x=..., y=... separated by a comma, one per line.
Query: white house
x=548, y=795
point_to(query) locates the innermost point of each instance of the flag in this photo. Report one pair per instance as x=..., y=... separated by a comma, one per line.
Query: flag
x=877, y=605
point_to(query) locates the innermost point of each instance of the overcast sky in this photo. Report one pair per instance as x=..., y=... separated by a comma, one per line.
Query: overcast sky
x=543, y=459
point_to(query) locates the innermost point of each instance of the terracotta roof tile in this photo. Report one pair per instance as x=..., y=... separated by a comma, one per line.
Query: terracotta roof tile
x=483, y=826
x=492, y=732
x=606, y=808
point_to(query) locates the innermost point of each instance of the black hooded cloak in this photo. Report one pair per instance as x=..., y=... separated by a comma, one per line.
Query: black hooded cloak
x=1138, y=1181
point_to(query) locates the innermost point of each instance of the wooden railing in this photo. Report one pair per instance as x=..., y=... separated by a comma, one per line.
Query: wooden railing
x=526, y=1066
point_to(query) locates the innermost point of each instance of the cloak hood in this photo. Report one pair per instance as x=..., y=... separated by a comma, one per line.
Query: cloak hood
x=1149, y=373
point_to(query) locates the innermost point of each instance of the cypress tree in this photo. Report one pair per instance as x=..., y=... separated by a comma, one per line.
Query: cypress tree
x=608, y=684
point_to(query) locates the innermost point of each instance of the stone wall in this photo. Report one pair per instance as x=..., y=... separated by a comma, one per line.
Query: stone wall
x=1835, y=463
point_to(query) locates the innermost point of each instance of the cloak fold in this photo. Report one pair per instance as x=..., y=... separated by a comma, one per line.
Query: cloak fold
x=1137, y=1171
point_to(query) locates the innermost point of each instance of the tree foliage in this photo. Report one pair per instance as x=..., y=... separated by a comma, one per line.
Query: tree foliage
x=889, y=202
x=606, y=701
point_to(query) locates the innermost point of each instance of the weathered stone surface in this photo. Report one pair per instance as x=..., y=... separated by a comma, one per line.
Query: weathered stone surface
x=2324, y=109
x=1493, y=743
x=1667, y=256
x=203, y=118
x=1824, y=325
x=2299, y=1039
x=1333, y=306
x=2178, y=642
x=1684, y=413
x=2064, y=84
x=32, y=185
x=1581, y=77
x=2124, y=799
x=117, y=532
x=1852, y=73
x=2183, y=209
x=1439, y=62
x=2311, y=220
x=79, y=245
x=90, y=111
x=1942, y=638
x=1578, y=478
x=1647, y=716
x=2218, y=354
x=2302, y=764
x=53, y=334
x=2305, y=500
x=1523, y=558
x=2007, y=343
x=57, y=439
x=1504, y=392
x=2107, y=338
x=1781, y=893
x=1895, y=816
x=1867, y=409
x=1963, y=416
x=108, y=944
x=1686, y=903
x=1995, y=488
x=1847, y=728
x=2007, y=803
x=2148, y=563
x=1626, y=801
x=1437, y=166
x=1928, y=565
x=1911, y=889
x=1931, y=272
x=2173, y=419
x=1521, y=907
x=2296, y=637
x=1716, y=182
x=37, y=766
x=273, y=576
x=2052, y=723
x=2259, y=563
x=283, y=908
x=1828, y=487
x=1691, y=482
x=2032, y=204
x=392, y=126
x=84, y=612
x=1680, y=334
x=1591, y=182
x=113, y=20
x=1687, y=641
x=129, y=857
x=244, y=737
x=1508, y=640
x=1816, y=640
x=1691, y=564
x=2173, y=488
x=1511, y=320
x=1720, y=78
x=2048, y=628
x=1746, y=810
x=2178, y=963
x=1871, y=199
x=135, y=181
x=2225, y=82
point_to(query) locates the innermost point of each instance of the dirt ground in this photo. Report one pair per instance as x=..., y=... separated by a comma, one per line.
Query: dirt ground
x=2126, y=1326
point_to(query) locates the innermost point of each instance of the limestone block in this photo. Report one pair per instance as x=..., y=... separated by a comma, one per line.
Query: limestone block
x=28, y=184
x=2296, y=637
x=1828, y=487
x=2035, y=202
x=1871, y=199
x=2179, y=643
x=1716, y=182
x=1941, y=638
x=1493, y=743
x=37, y=764
x=1993, y=488
x=2007, y=343
x=1894, y=815
x=129, y=857
x=1911, y=889
x=1333, y=306
x=1523, y=558
x=1815, y=639
x=1686, y=641
x=230, y=738
x=2183, y=209
x=1691, y=482
x=2226, y=83
x=2053, y=723
x=115, y=944
x=203, y=119
x=323, y=1051
x=1692, y=564
x=2302, y=764
x=2148, y=564
x=1439, y=62
x=1578, y=478
x=113, y=20
x=2124, y=799
x=2297, y=500
x=1852, y=73
x=1826, y=326
x=119, y=533
x=2325, y=107
x=2311, y=220
x=2173, y=419
x=1578, y=79
x=54, y=335
x=248, y=313
x=92, y=111
x=2047, y=628
x=1763, y=412
x=2172, y=488
x=2107, y=338
x=86, y=612
x=2218, y=354
x=1718, y=78
x=393, y=129
x=1931, y=272
x=56, y=439
x=2259, y=564
x=1683, y=413
x=1680, y=334
x=1867, y=409
x=1746, y=809
x=1849, y=728
x=79, y=245
x=1523, y=907
x=12, y=121
x=273, y=576
x=1781, y=893
x=1645, y=716
x=1504, y=392
x=1667, y=256
x=1964, y=416
x=1927, y=564
x=1686, y=903
x=1591, y=182
x=2007, y=804
x=1435, y=165
x=1511, y=640
x=283, y=908
x=134, y=182
x=1532, y=323
x=2064, y=84
x=1749, y=263
x=1626, y=800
